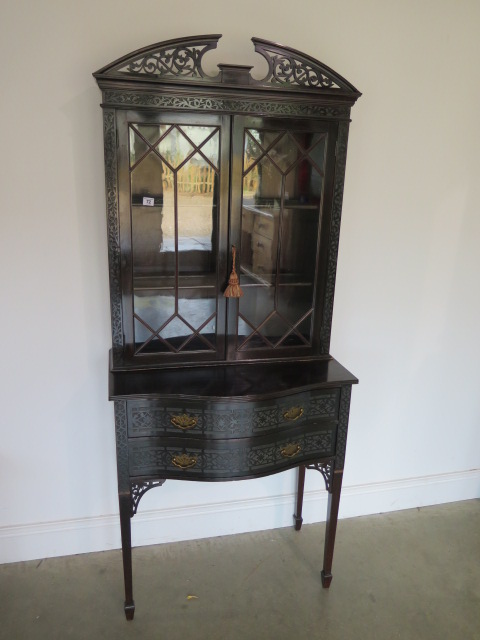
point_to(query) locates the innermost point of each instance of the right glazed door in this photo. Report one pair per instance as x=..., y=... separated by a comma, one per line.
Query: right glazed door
x=282, y=179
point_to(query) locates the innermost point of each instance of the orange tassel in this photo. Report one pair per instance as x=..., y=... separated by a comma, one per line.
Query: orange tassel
x=233, y=289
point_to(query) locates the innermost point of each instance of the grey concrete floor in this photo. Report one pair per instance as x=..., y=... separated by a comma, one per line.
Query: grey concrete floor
x=410, y=574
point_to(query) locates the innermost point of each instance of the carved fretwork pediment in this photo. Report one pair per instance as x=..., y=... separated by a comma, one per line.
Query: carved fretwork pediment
x=173, y=59
x=180, y=60
x=292, y=69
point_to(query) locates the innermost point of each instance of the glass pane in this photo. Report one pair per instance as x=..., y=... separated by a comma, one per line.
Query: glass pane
x=197, y=344
x=254, y=340
x=154, y=308
x=155, y=345
x=274, y=329
x=174, y=147
x=305, y=328
x=180, y=337
x=198, y=135
x=293, y=340
x=265, y=138
x=137, y=146
x=255, y=306
x=197, y=184
x=284, y=153
x=151, y=132
x=197, y=306
x=147, y=180
x=211, y=149
x=294, y=301
x=317, y=149
x=153, y=221
x=264, y=258
x=303, y=185
x=251, y=152
x=176, y=332
x=299, y=245
x=263, y=184
x=209, y=332
x=259, y=241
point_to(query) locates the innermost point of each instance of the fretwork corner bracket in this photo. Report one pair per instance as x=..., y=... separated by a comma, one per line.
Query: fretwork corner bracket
x=326, y=469
x=139, y=489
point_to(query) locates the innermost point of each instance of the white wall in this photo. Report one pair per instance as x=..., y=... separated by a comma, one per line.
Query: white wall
x=406, y=318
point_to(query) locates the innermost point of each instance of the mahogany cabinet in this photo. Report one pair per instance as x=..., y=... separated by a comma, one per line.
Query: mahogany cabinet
x=224, y=198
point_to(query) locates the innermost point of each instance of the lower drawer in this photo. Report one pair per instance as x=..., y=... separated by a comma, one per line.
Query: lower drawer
x=218, y=458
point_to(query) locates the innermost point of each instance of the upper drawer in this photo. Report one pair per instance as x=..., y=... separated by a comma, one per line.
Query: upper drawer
x=229, y=419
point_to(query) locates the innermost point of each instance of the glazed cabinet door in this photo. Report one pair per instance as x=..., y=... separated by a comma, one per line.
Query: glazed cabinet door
x=173, y=198
x=282, y=180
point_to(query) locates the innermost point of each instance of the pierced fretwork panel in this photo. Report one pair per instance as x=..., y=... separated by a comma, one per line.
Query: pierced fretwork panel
x=180, y=59
x=174, y=171
x=283, y=173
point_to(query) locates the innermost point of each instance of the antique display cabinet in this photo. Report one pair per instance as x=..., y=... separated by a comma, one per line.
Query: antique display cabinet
x=224, y=197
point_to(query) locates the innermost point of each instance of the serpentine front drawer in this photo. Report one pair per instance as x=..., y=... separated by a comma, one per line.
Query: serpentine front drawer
x=226, y=458
x=234, y=419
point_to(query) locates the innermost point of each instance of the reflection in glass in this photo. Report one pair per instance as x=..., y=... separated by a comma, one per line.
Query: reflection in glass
x=263, y=184
x=316, y=149
x=284, y=153
x=252, y=151
x=152, y=132
x=138, y=147
x=299, y=245
x=202, y=138
x=197, y=306
x=152, y=310
x=153, y=226
x=174, y=147
x=259, y=243
x=197, y=215
x=294, y=301
x=158, y=327
x=255, y=306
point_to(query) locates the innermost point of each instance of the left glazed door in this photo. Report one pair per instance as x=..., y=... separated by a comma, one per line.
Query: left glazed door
x=173, y=173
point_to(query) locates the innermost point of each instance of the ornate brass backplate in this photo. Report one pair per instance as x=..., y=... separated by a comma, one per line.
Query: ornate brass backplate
x=184, y=421
x=294, y=413
x=184, y=461
x=291, y=450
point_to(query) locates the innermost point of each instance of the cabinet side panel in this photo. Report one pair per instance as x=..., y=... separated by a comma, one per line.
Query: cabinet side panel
x=341, y=159
x=113, y=230
x=122, y=447
x=344, y=413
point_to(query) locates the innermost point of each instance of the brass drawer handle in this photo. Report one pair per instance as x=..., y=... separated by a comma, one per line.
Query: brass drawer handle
x=291, y=450
x=294, y=413
x=184, y=421
x=184, y=461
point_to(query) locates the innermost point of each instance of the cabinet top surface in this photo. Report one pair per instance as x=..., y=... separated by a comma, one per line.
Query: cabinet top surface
x=252, y=381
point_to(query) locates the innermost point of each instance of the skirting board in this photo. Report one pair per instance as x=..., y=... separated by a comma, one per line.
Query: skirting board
x=68, y=537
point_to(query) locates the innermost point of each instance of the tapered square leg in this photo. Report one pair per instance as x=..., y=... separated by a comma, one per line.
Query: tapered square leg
x=297, y=516
x=331, y=527
x=125, y=525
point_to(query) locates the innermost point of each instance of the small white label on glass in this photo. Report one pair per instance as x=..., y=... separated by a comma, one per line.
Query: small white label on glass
x=148, y=202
